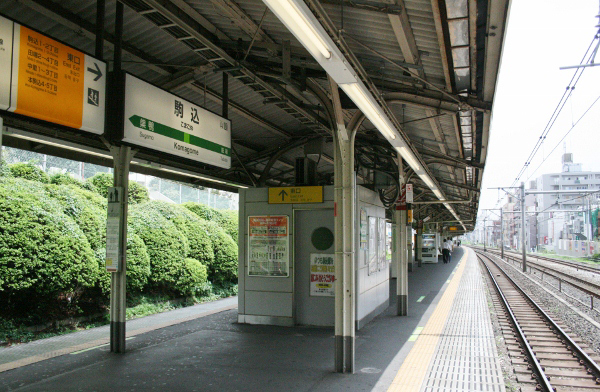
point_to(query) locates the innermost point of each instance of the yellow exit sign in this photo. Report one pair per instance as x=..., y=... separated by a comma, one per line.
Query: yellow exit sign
x=452, y=228
x=296, y=194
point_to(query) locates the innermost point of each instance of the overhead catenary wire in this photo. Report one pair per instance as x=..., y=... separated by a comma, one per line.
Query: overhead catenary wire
x=557, y=110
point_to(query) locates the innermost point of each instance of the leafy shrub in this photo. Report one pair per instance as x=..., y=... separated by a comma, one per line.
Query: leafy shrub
x=224, y=268
x=193, y=277
x=42, y=250
x=165, y=244
x=67, y=179
x=138, y=266
x=227, y=219
x=194, y=228
x=102, y=181
x=4, y=169
x=28, y=171
x=90, y=217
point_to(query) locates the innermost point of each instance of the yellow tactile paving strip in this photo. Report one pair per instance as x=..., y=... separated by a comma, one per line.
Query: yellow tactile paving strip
x=413, y=369
x=99, y=342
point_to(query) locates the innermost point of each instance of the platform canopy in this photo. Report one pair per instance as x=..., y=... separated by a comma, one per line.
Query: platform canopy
x=430, y=66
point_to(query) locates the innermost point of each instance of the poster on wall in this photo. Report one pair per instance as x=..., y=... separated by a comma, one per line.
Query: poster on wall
x=322, y=275
x=381, y=245
x=363, y=229
x=268, y=246
x=372, y=251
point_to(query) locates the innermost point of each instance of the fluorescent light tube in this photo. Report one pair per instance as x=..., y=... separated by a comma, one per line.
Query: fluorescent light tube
x=438, y=194
x=358, y=95
x=291, y=14
x=409, y=158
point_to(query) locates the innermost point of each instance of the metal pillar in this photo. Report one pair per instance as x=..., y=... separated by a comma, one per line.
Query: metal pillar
x=524, y=251
x=484, y=234
x=501, y=233
x=419, y=246
x=401, y=254
x=225, y=102
x=121, y=156
x=345, y=198
x=409, y=243
x=100, y=12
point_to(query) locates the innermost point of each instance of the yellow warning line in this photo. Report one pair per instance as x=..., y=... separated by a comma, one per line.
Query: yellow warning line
x=413, y=369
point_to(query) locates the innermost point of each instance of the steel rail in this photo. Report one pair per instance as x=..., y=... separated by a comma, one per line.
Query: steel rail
x=591, y=365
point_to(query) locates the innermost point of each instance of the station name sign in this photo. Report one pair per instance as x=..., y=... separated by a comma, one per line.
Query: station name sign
x=48, y=80
x=159, y=120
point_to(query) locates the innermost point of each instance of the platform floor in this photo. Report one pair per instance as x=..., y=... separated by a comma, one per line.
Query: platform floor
x=445, y=343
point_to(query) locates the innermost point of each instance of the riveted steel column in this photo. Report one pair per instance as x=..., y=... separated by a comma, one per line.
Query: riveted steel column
x=122, y=157
x=345, y=223
x=401, y=254
x=419, y=245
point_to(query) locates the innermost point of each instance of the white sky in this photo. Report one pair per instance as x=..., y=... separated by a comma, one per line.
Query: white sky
x=542, y=36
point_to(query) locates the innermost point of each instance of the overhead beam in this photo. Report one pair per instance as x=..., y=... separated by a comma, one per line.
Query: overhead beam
x=76, y=23
x=406, y=39
x=241, y=20
x=373, y=6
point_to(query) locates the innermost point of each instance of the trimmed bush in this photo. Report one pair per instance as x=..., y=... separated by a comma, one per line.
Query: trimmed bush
x=102, y=181
x=194, y=228
x=4, y=169
x=90, y=217
x=193, y=277
x=67, y=179
x=42, y=251
x=28, y=171
x=226, y=219
x=165, y=244
x=138, y=266
x=224, y=268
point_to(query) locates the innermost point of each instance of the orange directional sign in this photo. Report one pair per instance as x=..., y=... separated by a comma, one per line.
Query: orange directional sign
x=296, y=194
x=48, y=80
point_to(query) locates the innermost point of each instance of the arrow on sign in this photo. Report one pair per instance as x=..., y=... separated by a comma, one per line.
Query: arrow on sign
x=283, y=194
x=96, y=72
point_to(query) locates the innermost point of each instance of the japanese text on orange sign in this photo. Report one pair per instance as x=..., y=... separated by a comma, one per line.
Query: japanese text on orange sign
x=50, y=82
x=268, y=246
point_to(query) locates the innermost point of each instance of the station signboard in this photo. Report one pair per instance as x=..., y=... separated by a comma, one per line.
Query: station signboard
x=48, y=80
x=296, y=194
x=161, y=121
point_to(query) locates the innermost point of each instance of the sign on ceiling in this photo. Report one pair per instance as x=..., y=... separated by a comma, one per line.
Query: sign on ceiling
x=159, y=120
x=48, y=80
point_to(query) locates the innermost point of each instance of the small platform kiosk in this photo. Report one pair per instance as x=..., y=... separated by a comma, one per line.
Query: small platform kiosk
x=286, y=255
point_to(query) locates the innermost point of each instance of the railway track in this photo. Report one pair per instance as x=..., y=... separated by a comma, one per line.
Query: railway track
x=574, y=264
x=544, y=355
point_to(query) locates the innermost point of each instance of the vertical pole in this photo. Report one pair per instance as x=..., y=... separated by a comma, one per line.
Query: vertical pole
x=121, y=157
x=523, y=226
x=1, y=131
x=419, y=245
x=100, y=14
x=401, y=264
x=484, y=234
x=225, y=102
x=501, y=233
x=345, y=226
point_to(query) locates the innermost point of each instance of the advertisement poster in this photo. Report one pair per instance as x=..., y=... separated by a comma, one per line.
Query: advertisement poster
x=322, y=275
x=372, y=250
x=268, y=246
x=381, y=245
x=363, y=229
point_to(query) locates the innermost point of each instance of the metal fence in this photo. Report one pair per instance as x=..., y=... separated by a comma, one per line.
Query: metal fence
x=158, y=188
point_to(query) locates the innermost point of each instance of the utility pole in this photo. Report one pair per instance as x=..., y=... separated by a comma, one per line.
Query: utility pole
x=484, y=234
x=501, y=233
x=524, y=251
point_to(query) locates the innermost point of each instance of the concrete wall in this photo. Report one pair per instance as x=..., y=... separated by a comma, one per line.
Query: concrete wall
x=270, y=300
x=576, y=248
x=373, y=290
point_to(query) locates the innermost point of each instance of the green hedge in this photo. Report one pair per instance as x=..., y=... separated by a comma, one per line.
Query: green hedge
x=42, y=250
x=166, y=245
x=67, y=179
x=102, y=181
x=28, y=171
x=224, y=268
x=138, y=266
x=90, y=216
x=193, y=277
x=226, y=219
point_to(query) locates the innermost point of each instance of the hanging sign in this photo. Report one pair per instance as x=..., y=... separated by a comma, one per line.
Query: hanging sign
x=322, y=275
x=268, y=246
x=48, y=80
x=159, y=120
x=296, y=194
x=409, y=193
